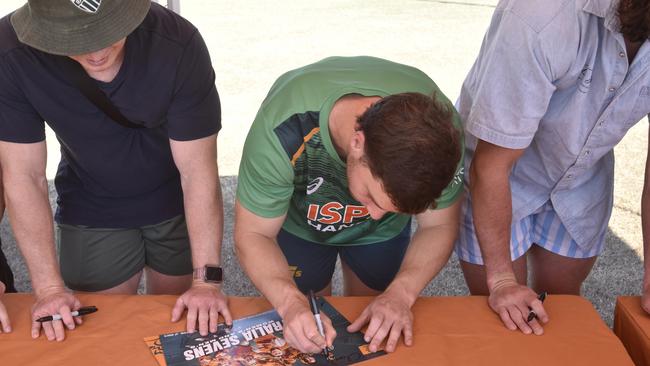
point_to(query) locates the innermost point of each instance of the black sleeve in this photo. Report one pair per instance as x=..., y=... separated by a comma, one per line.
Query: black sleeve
x=19, y=121
x=195, y=111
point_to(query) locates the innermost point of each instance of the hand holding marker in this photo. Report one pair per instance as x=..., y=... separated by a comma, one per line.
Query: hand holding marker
x=83, y=311
x=531, y=314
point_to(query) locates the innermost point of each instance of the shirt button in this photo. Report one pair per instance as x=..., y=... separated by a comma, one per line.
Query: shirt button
x=587, y=152
x=622, y=54
x=569, y=176
x=601, y=123
x=612, y=89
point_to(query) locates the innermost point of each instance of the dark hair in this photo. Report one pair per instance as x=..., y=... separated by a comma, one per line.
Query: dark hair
x=412, y=147
x=635, y=19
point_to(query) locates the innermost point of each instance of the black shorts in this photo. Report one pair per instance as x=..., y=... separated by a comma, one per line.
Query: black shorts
x=6, y=276
x=313, y=264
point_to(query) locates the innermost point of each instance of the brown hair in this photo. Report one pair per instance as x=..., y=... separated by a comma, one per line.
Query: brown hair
x=412, y=147
x=635, y=19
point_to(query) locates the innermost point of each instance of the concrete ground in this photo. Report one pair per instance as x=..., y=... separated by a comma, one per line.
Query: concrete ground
x=252, y=42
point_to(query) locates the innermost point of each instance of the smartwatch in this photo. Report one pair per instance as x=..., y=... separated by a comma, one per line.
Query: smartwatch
x=208, y=273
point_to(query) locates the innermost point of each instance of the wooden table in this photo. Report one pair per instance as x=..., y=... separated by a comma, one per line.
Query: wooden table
x=447, y=331
x=632, y=326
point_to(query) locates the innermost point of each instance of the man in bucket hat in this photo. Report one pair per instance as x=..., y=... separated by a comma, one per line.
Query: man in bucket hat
x=133, y=168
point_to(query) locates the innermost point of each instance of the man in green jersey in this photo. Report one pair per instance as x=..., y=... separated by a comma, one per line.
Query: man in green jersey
x=341, y=154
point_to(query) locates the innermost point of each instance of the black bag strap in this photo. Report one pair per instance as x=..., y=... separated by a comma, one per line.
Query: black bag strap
x=88, y=87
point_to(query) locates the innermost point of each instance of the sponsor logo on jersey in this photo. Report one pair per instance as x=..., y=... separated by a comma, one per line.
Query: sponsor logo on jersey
x=458, y=177
x=334, y=216
x=89, y=6
x=314, y=185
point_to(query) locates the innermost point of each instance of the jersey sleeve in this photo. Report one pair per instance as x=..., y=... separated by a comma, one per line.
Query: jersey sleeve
x=265, y=184
x=512, y=79
x=195, y=110
x=19, y=121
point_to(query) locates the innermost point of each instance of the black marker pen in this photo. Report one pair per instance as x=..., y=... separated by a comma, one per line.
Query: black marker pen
x=83, y=311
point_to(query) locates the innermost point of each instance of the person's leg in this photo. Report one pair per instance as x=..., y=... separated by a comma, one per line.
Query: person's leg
x=168, y=257
x=352, y=284
x=128, y=287
x=559, y=265
x=100, y=260
x=557, y=274
x=311, y=264
x=159, y=283
x=369, y=269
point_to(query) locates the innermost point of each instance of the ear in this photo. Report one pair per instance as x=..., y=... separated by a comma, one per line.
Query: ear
x=357, y=143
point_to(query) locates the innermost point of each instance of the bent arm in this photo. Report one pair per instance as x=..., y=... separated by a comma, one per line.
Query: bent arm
x=263, y=260
x=489, y=188
x=389, y=314
x=492, y=210
x=196, y=161
x=28, y=205
x=428, y=252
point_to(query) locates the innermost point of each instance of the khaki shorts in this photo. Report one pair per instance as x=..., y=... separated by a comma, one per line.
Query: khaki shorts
x=96, y=259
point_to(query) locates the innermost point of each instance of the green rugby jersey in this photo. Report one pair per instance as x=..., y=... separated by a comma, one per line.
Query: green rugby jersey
x=289, y=164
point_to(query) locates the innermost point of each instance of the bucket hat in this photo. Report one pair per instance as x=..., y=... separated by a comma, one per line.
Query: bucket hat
x=75, y=27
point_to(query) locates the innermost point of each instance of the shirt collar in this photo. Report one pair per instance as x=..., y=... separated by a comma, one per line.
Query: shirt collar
x=604, y=9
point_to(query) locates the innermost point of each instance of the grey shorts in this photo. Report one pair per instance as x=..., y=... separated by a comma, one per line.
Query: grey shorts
x=96, y=259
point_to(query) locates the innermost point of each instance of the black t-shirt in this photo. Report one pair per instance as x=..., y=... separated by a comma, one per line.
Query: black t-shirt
x=112, y=176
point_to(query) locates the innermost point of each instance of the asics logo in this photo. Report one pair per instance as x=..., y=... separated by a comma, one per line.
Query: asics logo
x=314, y=185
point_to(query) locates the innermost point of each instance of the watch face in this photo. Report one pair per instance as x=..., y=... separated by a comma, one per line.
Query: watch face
x=213, y=274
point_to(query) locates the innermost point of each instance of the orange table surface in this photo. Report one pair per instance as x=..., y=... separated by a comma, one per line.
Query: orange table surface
x=447, y=331
x=632, y=326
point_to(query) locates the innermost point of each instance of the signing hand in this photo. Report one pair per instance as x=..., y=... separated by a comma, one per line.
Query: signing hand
x=4, y=317
x=300, y=330
x=54, y=300
x=204, y=302
x=388, y=315
x=513, y=302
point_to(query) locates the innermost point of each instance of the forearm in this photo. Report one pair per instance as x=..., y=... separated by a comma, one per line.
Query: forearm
x=492, y=214
x=204, y=215
x=31, y=219
x=426, y=255
x=266, y=266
